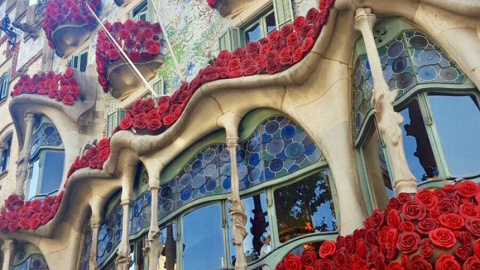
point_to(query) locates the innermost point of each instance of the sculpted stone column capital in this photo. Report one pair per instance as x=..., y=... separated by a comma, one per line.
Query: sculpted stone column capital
x=364, y=18
x=29, y=119
x=8, y=253
x=8, y=245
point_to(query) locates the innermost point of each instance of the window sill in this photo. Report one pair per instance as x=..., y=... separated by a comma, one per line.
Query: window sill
x=3, y=174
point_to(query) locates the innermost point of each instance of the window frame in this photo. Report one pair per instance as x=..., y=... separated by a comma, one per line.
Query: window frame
x=78, y=56
x=4, y=85
x=40, y=157
x=261, y=19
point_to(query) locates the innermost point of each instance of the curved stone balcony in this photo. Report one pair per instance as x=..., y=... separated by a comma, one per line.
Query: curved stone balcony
x=123, y=81
x=114, y=73
x=68, y=37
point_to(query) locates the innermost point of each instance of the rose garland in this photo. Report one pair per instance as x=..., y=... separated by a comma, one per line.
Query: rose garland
x=93, y=158
x=60, y=87
x=281, y=49
x=140, y=40
x=19, y=214
x=437, y=229
x=59, y=12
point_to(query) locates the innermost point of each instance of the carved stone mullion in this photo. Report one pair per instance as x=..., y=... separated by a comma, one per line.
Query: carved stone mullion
x=95, y=226
x=388, y=121
x=8, y=252
x=154, y=247
x=23, y=159
x=237, y=208
x=122, y=261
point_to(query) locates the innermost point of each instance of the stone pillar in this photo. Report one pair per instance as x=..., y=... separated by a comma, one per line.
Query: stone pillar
x=8, y=252
x=237, y=209
x=95, y=226
x=388, y=120
x=23, y=159
x=122, y=261
x=154, y=248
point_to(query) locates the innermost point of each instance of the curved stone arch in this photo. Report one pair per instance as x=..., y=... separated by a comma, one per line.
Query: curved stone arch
x=7, y=130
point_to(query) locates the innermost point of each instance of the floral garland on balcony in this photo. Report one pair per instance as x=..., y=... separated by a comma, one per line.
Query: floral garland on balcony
x=68, y=11
x=437, y=229
x=93, y=158
x=280, y=50
x=140, y=40
x=20, y=214
x=61, y=87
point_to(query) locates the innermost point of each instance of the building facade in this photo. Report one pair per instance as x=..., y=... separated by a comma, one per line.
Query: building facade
x=224, y=134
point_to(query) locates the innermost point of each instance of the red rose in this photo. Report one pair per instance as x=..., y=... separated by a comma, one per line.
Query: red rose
x=308, y=44
x=361, y=249
x=391, y=238
x=235, y=73
x=452, y=221
x=371, y=238
x=68, y=73
x=104, y=143
x=3, y=224
x=104, y=154
x=224, y=55
x=323, y=264
x=472, y=263
x=340, y=259
x=426, y=225
x=251, y=70
x=273, y=36
x=68, y=100
x=308, y=257
x=12, y=226
x=35, y=223
x=234, y=64
x=273, y=66
x=154, y=49
x=298, y=23
x=466, y=238
x=476, y=248
x=467, y=189
x=312, y=15
x=447, y=206
x=168, y=120
x=285, y=56
x=252, y=48
x=447, y=262
x=292, y=262
x=126, y=123
x=124, y=34
x=427, y=198
x=473, y=226
x=394, y=219
x=154, y=124
x=327, y=249
x=163, y=107
x=147, y=33
x=94, y=162
x=113, y=54
x=265, y=49
x=469, y=210
x=462, y=252
x=412, y=210
x=442, y=238
x=418, y=262
x=404, y=197
x=408, y=242
x=395, y=266
x=239, y=52
x=148, y=104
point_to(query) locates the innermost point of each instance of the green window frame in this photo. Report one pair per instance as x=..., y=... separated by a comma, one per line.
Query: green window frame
x=143, y=11
x=37, y=165
x=80, y=61
x=235, y=37
x=4, y=83
x=113, y=119
x=159, y=87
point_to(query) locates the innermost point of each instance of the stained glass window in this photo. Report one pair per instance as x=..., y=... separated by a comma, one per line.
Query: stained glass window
x=109, y=235
x=34, y=262
x=409, y=60
x=276, y=148
x=140, y=213
x=84, y=265
x=45, y=136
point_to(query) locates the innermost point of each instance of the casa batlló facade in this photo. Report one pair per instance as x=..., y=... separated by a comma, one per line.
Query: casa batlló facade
x=234, y=134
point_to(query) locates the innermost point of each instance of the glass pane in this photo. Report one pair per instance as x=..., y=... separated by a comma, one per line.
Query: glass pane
x=137, y=12
x=168, y=257
x=83, y=62
x=32, y=187
x=143, y=17
x=305, y=207
x=52, y=171
x=416, y=143
x=201, y=229
x=75, y=62
x=376, y=169
x=253, y=33
x=254, y=245
x=457, y=119
x=270, y=22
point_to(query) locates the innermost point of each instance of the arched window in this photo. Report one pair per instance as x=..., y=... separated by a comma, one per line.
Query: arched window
x=5, y=149
x=47, y=158
x=438, y=102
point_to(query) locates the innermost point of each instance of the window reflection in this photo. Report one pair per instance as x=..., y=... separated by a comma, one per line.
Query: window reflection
x=203, y=239
x=137, y=258
x=270, y=22
x=376, y=168
x=253, y=33
x=52, y=171
x=418, y=150
x=257, y=225
x=168, y=257
x=457, y=119
x=305, y=207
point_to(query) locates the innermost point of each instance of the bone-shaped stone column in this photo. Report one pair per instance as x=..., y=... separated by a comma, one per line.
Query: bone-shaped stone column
x=8, y=252
x=23, y=159
x=388, y=121
x=154, y=247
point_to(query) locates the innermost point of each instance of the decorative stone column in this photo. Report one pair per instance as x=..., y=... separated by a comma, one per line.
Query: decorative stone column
x=22, y=163
x=8, y=252
x=95, y=226
x=122, y=261
x=154, y=248
x=237, y=209
x=388, y=121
